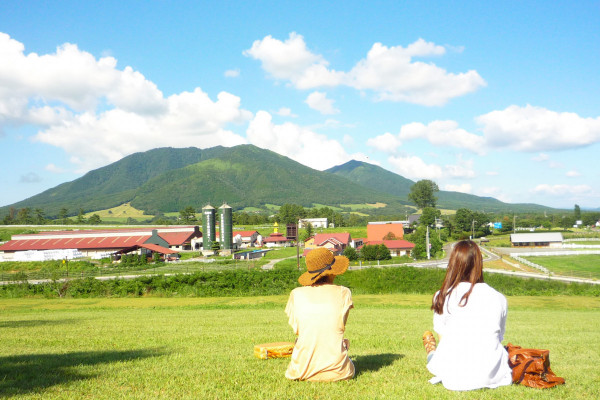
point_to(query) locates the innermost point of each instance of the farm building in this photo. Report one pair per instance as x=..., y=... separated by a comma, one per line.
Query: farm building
x=315, y=222
x=245, y=239
x=336, y=242
x=103, y=243
x=548, y=239
x=277, y=239
x=397, y=247
x=379, y=230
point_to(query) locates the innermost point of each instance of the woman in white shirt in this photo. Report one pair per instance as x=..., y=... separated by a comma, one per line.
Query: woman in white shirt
x=470, y=319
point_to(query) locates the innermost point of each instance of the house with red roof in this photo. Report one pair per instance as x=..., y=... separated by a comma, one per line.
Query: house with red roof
x=104, y=242
x=245, y=239
x=336, y=242
x=385, y=229
x=397, y=247
x=277, y=239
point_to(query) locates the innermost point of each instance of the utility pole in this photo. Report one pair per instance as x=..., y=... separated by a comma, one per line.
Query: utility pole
x=427, y=243
x=473, y=230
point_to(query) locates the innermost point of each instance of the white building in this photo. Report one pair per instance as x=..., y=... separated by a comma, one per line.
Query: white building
x=315, y=222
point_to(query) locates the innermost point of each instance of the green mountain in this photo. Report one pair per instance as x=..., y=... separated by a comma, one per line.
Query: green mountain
x=380, y=179
x=169, y=179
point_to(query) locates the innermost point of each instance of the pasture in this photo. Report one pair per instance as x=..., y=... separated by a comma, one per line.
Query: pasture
x=176, y=348
x=584, y=265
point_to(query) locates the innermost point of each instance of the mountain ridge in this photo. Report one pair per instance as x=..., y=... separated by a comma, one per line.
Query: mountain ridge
x=170, y=179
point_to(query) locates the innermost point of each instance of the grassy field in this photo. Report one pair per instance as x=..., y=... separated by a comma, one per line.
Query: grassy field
x=202, y=348
x=585, y=265
x=121, y=214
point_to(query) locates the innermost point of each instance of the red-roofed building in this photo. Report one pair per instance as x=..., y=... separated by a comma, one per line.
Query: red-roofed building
x=277, y=239
x=100, y=243
x=379, y=230
x=336, y=242
x=397, y=247
x=246, y=239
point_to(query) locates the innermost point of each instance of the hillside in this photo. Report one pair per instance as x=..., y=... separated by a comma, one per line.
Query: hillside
x=377, y=178
x=169, y=179
x=115, y=183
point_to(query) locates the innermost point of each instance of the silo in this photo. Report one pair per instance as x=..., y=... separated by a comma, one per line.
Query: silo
x=208, y=226
x=225, y=227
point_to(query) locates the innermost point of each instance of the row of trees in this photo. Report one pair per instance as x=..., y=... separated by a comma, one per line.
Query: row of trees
x=37, y=216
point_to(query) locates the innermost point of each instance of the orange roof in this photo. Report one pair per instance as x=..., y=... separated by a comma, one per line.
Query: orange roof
x=379, y=231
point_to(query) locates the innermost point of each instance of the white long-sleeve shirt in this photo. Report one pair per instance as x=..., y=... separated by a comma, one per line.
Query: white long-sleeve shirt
x=470, y=354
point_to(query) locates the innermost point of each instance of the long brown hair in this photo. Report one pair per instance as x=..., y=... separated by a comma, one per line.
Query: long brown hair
x=465, y=265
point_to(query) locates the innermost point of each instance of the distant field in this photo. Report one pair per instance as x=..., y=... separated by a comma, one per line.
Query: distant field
x=121, y=213
x=585, y=265
x=364, y=205
x=202, y=348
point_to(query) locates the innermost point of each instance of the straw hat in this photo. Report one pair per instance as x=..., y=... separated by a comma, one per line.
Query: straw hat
x=321, y=262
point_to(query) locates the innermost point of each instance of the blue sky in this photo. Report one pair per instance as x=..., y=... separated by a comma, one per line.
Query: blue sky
x=496, y=100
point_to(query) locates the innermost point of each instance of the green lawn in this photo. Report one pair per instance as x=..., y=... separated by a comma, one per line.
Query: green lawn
x=585, y=265
x=201, y=348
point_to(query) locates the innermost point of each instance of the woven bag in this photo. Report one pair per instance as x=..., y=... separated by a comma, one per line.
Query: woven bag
x=273, y=350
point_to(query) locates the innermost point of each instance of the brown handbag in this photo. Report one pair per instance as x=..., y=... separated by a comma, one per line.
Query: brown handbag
x=531, y=367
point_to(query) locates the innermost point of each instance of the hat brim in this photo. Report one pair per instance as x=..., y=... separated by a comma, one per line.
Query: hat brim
x=339, y=267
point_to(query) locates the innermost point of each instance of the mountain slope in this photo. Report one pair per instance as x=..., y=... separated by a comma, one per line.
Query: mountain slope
x=380, y=179
x=115, y=183
x=249, y=176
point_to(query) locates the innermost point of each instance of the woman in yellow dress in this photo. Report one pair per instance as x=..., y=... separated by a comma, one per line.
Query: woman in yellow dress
x=317, y=313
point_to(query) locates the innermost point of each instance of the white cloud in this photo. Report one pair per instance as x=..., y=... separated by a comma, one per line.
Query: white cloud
x=413, y=167
x=386, y=143
x=55, y=169
x=319, y=101
x=463, y=188
x=541, y=157
x=232, y=73
x=492, y=173
x=365, y=158
x=296, y=142
x=573, y=173
x=348, y=140
x=443, y=134
x=497, y=193
x=390, y=72
x=291, y=60
x=562, y=190
x=532, y=129
x=393, y=74
x=285, y=112
x=77, y=100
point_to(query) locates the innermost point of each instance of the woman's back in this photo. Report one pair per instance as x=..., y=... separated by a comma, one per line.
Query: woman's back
x=470, y=354
x=317, y=315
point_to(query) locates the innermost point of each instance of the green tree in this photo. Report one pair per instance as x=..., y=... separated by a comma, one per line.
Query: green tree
x=40, y=218
x=419, y=238
x=390, y=236
x=188, y=215
x=81, y=216
x=290, y=213
x=308, y=232
x=429, y=216
x=351, y=253
x=63, y=216
x=94, y=220
x=577, y=212
x=423, y=193
x=24, y=216
x=215, y=247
